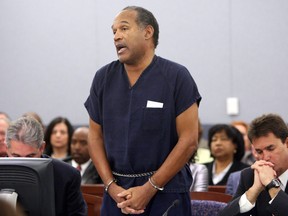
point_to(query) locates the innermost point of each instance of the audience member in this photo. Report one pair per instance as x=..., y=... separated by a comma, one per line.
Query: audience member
x=199, y=175
x=80, y=158
x=243, y=127
x=4, y=124
x=36, y=116
x=262, y=188
x=5, y=115
x=58, y=138
x=227, y=147
x=25, y=139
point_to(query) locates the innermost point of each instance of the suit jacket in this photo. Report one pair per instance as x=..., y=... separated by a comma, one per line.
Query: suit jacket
x=262, y=207
x=232, y=183
x=236, y=166
x=90, y=175
x=68, y=197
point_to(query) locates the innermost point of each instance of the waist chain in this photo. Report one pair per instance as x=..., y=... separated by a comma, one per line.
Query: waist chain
x=137, y=175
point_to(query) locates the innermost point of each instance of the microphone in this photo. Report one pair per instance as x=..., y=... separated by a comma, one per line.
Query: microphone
x=175, y=203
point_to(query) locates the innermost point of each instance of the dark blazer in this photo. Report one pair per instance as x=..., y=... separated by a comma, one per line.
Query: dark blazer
x=68, y=197
x=236, y=166
x=90, y=175
x=262, y=207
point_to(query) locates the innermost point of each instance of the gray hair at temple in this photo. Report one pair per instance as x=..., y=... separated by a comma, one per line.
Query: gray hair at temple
x=145, y=18
x=26, y=130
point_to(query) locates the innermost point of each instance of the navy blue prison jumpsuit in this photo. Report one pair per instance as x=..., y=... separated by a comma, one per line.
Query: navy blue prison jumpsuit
x=138, y=137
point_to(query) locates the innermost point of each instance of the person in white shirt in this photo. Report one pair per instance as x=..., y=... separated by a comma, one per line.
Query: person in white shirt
x=80, y=158
x=262, y=188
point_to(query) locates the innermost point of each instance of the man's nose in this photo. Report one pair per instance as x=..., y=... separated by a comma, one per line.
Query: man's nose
x=266, y=156
x=117, y=36
x=77, y=146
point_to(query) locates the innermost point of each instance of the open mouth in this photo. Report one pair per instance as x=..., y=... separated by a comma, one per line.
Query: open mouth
x=120, y=48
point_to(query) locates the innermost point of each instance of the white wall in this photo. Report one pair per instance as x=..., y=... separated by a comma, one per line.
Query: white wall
x=50, y=50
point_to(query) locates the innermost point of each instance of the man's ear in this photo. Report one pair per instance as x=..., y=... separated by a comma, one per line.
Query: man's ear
x=42, y=148
x=149, y=32
x=286, y=142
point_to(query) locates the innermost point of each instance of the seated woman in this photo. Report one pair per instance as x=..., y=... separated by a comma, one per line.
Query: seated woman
x=58, y=138
x=227, y=148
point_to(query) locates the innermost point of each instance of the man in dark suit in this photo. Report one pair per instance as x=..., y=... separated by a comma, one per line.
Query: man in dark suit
x=25, y=139
x=262, y=188
x=80, y=158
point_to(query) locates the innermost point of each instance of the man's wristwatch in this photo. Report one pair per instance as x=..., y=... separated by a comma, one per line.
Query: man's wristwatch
x=273, y=184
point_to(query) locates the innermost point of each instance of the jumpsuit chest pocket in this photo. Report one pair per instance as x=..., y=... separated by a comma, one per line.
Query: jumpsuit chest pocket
x=152, y=118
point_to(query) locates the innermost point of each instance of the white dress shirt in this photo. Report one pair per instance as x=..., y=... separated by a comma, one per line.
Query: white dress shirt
x=83, y=166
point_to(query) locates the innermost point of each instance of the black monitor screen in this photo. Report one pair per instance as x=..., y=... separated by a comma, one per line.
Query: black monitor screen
x=33, y=180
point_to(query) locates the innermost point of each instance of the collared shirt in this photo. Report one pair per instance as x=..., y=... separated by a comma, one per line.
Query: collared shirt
x=83, y=166
x=219, y=176
x=246, y=206
x=283, y=178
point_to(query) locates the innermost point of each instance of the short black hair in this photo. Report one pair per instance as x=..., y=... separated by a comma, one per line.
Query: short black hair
x=233, y=134
x=268, y=123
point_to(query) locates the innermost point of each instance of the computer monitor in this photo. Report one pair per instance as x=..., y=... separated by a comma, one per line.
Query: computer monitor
x=33, y=180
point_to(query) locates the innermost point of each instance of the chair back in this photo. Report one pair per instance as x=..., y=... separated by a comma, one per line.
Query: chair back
x=217, y=188
x=206, y=207
x=208, y=195
x=93, y=203
x=95, y=189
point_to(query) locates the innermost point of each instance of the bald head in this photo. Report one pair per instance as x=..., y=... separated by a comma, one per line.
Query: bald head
x=79, y=145
x=84, y=130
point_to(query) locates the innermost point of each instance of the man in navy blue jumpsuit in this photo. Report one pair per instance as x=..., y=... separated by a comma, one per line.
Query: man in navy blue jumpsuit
x=143, y=123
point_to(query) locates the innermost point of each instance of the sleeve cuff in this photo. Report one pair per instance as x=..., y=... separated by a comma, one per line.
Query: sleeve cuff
x=244, y=204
